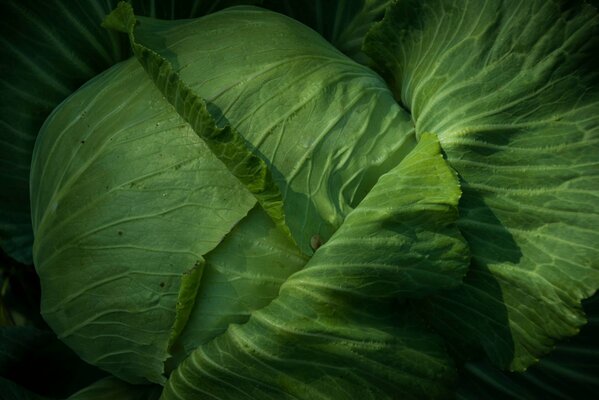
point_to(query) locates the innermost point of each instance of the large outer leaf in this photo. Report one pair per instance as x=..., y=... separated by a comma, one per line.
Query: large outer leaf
x=332, y=333
x=126, y=201
x=511, y=89
x=47, y=50
x=325, y=126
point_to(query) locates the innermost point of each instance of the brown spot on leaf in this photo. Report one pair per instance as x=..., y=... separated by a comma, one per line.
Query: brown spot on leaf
x=315, y=242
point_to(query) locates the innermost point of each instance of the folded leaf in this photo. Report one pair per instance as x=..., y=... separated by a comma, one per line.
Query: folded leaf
x=242, y=275
x=226, y=143
x=293, y=118
x=333, y=333
x=402, y=240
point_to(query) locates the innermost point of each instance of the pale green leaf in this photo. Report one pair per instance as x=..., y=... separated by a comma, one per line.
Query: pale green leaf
x=126, y=201
x=47, y=50
x=242, y=275
x=322, y=125
x=225, y=142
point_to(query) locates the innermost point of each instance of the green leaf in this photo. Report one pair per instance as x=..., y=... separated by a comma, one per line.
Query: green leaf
x=47, y=50
x=327, y=336
x=126, y=202
x=402, y=240
x=121, y=19
x=510, y=87
x=190, y=283
x=290, y=106
x=226, y=143
x=242, y=275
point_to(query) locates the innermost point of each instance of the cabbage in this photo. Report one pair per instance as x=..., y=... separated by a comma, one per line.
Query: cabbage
x=248, y=208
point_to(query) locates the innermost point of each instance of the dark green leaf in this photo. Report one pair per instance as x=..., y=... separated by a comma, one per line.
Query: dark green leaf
x=39, y=362
x=511, y=89
x=332, y=333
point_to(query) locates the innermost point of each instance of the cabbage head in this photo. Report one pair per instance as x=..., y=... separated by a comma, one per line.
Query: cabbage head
x=373, y=200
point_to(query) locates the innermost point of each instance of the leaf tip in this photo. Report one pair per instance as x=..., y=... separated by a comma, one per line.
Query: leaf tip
x=121, y=19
